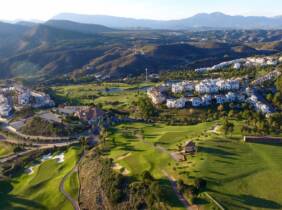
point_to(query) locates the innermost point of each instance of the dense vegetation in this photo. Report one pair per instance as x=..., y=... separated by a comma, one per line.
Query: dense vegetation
x=37, y=126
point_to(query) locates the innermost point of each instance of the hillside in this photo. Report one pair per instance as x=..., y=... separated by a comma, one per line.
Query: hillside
x=78, y=27
x=85, y=58
x=10, y=34
x=123, y=62
x=43, y=36
x=212, y=20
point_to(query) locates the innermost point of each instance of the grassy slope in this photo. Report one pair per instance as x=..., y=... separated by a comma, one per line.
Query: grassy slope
x=41, y=189
x=72, y=185
x=243, y=175
x=240, y=175
x=5, y=149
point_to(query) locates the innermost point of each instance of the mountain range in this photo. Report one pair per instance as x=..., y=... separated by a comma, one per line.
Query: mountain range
x=203, y=20
x=64, y=48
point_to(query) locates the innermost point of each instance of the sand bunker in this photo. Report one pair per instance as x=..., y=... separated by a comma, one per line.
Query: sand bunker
x=30, y=170
x=59, y=158
x=119, y=168
x=46, y=157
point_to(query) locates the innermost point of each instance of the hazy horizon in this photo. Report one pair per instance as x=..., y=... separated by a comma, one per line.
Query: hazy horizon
x=157, y=9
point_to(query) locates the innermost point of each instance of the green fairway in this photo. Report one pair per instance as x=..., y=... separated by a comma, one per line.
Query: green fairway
x=109, y=95
x=6, y=149
x=39, y=190
x=240, y=175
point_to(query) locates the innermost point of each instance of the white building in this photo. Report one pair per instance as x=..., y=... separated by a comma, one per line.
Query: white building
x=176, y=103
x=41, y=100
x=237, y=66
x=5, y=108
x=196, y=101
x=207, y=87
x=24, y=97
x=220, y=99
x=206, y=100
x=241, y=97
x=156, y=96
x=182, y=87
x=230, y=97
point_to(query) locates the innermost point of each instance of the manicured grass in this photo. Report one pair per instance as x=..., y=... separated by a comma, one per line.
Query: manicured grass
x=240, y=175
x=39, y=190
x=6, y=149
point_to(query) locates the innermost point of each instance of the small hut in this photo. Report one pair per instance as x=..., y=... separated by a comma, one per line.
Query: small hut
x=190, y=147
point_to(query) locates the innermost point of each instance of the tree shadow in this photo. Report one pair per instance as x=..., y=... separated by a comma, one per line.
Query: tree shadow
x=169, y=195
x=268, y=143
x=251, y=200
x=217, y=152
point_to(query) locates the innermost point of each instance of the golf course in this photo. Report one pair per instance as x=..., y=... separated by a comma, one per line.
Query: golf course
x=240, y=175
x=37, y=186
x=109, y=95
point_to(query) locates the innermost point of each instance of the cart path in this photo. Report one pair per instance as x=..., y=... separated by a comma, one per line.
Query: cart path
x=181, y=198
x=73, y=201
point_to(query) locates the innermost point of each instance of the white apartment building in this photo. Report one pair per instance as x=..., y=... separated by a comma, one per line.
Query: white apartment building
x=41, y=100
x=176, y=103
x=182, y=87
x=230, y=97
x=206, y=100
x=156, y=96
x=196, y=101
x=207, y=87
x=237, y=66
x=5, y=108
x=220, y=99
x=24, y=97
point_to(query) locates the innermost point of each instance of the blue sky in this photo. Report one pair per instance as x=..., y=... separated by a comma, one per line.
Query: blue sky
x=154, y=9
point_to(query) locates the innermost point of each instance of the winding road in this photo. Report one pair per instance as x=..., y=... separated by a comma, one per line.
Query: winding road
x=73, y=201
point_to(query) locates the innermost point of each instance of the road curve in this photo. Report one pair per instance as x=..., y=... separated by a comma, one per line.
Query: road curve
x=74, y=202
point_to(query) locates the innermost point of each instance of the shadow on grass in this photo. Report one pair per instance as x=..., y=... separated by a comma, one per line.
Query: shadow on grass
x=8, y=201
x=169, y=195
x=223, y=161
x=217, y=152
x=257, y=202
x=248, y=201
x=222, y=181
x=267, y=143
